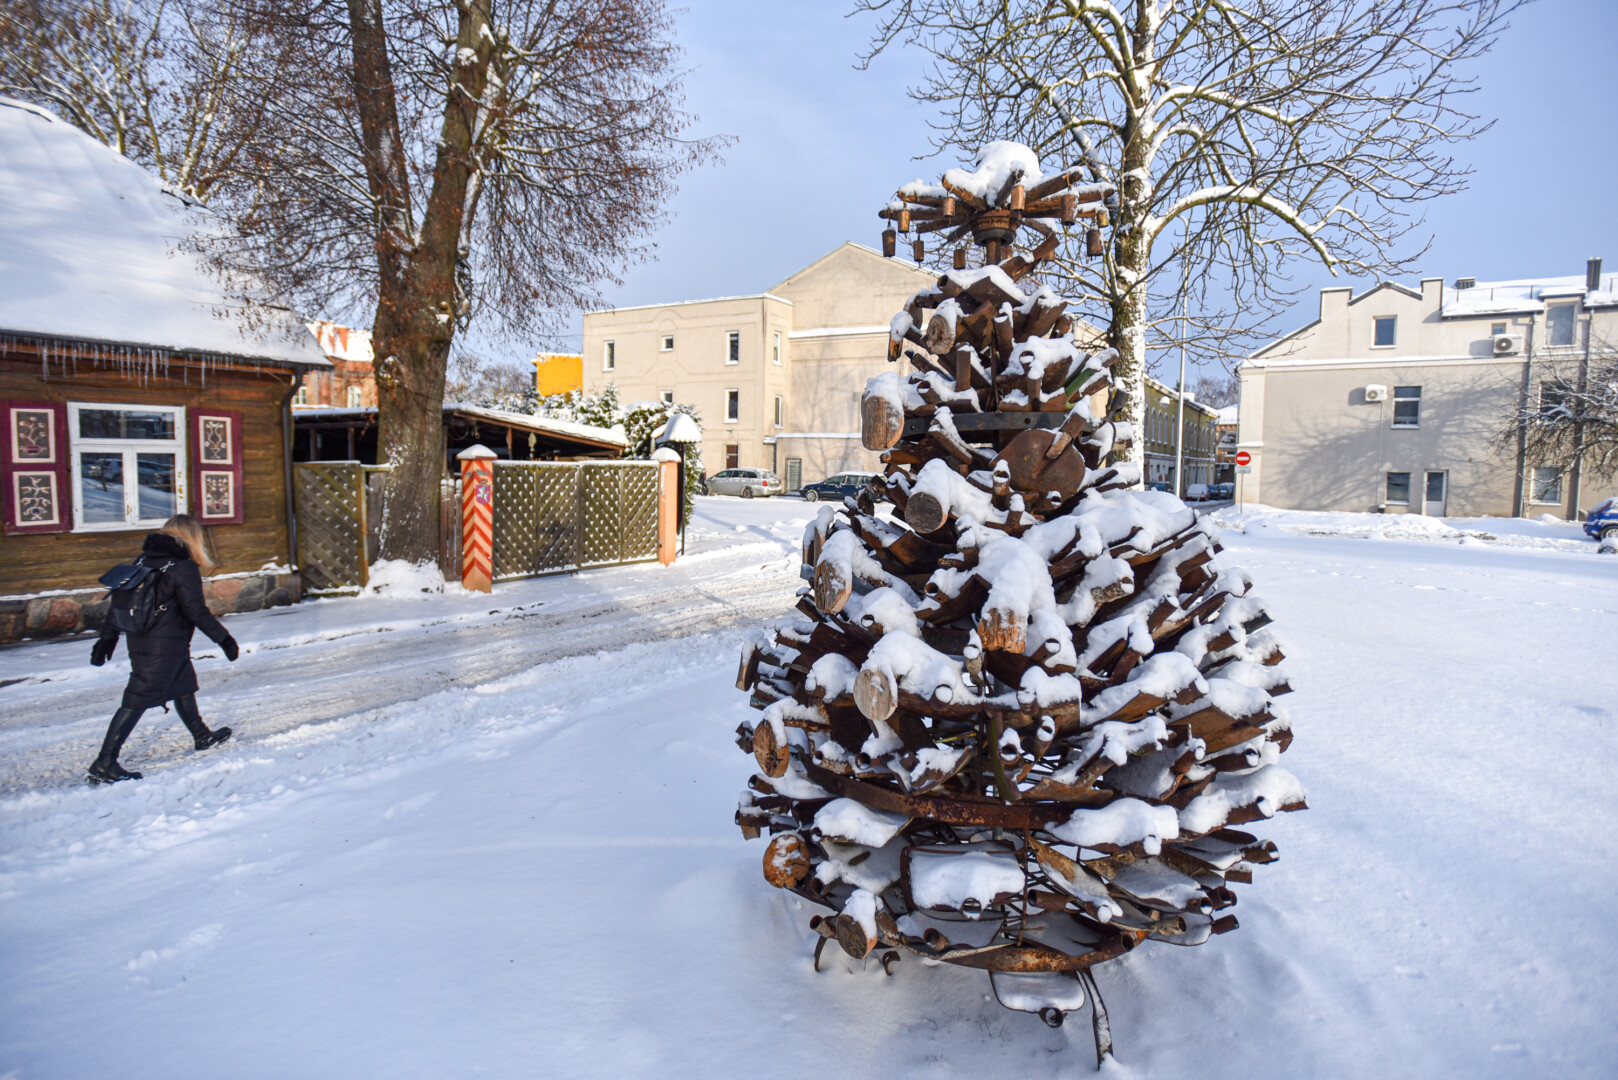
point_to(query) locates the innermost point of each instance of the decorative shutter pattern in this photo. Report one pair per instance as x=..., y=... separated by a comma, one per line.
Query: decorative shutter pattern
x=34, y=467
x=216, y=466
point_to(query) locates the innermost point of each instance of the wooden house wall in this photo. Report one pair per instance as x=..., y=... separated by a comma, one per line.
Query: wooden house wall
x=67, y=560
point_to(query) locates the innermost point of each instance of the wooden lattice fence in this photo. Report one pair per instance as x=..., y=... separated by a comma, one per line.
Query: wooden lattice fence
x=551, y=516
x=332, y=523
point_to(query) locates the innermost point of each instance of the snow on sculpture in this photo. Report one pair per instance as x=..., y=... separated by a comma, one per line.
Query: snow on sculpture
x=1021, y=721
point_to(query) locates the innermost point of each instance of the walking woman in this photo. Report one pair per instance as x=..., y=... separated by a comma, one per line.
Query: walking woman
x=160, y=658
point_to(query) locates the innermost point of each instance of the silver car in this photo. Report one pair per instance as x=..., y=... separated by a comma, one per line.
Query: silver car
x=745, y=482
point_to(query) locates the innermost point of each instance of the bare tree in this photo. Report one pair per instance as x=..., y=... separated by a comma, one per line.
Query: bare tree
x=1239, y=136
x=1568, y=419
x=150, y=78
x=1217, y=390
x=439, y=162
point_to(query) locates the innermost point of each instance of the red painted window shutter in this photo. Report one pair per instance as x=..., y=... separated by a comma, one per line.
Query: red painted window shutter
x=216, y=466
x=34, y=467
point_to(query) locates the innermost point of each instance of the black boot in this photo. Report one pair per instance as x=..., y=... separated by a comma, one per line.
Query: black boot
x=201, y=737
x=105, y=769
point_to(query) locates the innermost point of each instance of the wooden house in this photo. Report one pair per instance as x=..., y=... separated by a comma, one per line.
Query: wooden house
x=133, y=385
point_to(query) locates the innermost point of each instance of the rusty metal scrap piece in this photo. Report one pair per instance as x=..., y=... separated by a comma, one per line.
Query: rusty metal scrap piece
x=1032, y=706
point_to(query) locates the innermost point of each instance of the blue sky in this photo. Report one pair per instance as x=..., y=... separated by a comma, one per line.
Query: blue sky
x=821, y=144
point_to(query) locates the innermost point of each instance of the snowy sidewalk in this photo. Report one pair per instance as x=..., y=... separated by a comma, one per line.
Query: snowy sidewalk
x=332, y=658
x=463, y=884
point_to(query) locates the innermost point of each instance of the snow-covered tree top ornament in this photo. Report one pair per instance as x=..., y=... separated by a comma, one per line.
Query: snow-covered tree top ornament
x=1003, y=193
x=1023, y=715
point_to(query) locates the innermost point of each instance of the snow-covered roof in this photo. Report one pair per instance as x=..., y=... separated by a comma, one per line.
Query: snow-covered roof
x=543, y=425
x=343, y=342
x=93, y=254
x=1526, y=295
x=1228, y=414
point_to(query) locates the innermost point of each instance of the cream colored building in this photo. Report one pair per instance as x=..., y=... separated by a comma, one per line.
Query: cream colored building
x=776, y=376
x=1395, y=399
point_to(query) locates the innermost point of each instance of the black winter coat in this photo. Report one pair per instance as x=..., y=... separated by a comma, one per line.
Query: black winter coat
x=161, y=657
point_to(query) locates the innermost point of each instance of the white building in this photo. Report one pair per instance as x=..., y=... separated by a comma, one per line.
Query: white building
x=1396, y=399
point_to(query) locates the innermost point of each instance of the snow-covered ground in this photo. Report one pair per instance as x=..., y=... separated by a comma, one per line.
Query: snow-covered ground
x=474, y=836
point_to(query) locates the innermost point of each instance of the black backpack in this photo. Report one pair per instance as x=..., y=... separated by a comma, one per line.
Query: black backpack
x=134, y=595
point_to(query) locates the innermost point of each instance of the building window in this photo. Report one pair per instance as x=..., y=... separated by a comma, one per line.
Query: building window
x=1399, y=488
x=775, y=348
x=780, y=413
x=733, y=456
x=1559, y=324
x=733, y=347
x=1545, y=484
x=668, y=397
x=128, y=465
x=1407, y=406
x=1497, y=328
x=1384, y=331
x=609, y=356
x=668, y=343
x=733, y=406
x=302, y=396
x=356, y=397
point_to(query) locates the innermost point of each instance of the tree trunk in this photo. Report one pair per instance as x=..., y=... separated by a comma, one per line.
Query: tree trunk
x=417, y=302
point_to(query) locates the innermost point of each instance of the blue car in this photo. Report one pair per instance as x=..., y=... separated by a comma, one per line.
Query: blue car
x=1603, y=520
x=833, y=488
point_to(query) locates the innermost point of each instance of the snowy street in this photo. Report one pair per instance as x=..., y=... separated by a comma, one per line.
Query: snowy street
x=413, y=860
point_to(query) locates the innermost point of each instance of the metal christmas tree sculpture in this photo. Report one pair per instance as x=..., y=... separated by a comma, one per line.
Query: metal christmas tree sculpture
x=1021, y=721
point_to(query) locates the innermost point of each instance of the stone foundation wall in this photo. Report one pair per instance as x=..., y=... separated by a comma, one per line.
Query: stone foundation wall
x=73, y=613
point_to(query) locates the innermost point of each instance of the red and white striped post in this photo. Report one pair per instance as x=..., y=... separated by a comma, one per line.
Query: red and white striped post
x=477, y=518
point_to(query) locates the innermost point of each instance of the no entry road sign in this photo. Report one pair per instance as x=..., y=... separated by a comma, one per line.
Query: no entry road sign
x=1243, y=458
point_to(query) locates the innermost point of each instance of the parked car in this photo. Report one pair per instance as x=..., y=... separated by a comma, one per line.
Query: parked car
x=835, y=487
x=1226, y=490
x=1196, y=492
x=1603, y=520
x=1159, y=485
x=745, y=482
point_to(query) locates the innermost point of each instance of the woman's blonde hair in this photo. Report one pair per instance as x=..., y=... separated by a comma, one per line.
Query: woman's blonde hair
x=187, y=530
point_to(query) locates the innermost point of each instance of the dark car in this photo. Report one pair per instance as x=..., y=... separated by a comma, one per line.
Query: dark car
x=1603, y=520
x=834, y=488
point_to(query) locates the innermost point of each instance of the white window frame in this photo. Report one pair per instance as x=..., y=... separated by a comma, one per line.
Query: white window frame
x=1396, y=399
x=301, y=398
x=1375, y=320
x=1409, y=481
x=1573, y=325
x=780, y=411
x=776, y=347
x=733, y=397
x=665, y=343
x=1533, y=485
x=609, y=355
x=129, y=448
x=667, y=396
x=1496, y=329
x=733, y=356
x=356, y=396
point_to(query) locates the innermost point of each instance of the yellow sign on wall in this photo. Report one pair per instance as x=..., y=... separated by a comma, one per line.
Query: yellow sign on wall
x=557, y=373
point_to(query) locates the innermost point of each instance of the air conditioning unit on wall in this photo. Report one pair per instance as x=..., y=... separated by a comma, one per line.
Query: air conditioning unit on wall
x=1376, y=393
x=1507, y=344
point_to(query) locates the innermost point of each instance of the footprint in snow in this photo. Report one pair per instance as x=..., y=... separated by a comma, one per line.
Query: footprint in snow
x=166, y=967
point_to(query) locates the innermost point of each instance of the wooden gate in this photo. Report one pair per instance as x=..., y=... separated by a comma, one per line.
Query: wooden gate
x=551, y=517
x=329, y=499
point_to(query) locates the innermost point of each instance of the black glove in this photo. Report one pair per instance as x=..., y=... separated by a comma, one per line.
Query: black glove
x=228, y=647
x=101, y=650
